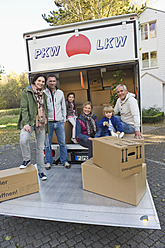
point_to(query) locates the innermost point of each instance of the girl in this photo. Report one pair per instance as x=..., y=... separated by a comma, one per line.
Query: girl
x=71, y=114
x=110, y=124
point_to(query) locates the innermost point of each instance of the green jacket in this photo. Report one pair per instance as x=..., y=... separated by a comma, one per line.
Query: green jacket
x=28, y=109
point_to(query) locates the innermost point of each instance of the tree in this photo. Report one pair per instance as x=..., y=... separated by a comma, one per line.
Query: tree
x=69, y=11
x=11, y=89
x=2, y=71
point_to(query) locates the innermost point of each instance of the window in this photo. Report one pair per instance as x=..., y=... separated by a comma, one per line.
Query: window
x=153, y=56
x=149, y=59
x=144, y=32
x=148, y=30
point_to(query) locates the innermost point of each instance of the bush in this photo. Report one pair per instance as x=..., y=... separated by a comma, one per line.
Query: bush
x=152, y=115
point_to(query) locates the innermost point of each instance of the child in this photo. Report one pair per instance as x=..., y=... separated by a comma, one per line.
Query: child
x=71, y=114
x=109, y=124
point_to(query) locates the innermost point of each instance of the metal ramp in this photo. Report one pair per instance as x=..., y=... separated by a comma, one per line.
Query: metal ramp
x=61, y=198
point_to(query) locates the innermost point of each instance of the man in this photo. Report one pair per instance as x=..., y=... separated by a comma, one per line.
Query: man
x=129, y=111
x=57, y=118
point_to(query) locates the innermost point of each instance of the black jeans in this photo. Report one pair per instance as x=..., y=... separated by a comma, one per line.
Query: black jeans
x=87, y=144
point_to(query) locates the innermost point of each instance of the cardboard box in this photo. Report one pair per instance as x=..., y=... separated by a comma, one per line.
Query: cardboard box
x=95, y=80
x=100, y=97
x=68, y=134
x=129, y=189
x=120, y=157
x=71, y=80
x=98, y=111
x=127, y=79
x=81, y=96
x=16, y=182
x=131, y=137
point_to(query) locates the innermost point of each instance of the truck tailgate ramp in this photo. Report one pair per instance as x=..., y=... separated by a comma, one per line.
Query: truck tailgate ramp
x=61, y=198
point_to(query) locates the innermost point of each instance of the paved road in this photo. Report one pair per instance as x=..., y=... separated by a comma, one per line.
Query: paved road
x=22, y=232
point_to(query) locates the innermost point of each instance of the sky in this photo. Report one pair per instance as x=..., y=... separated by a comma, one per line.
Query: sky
x=21, y=16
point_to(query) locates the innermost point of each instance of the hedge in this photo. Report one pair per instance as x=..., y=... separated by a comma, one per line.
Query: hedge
x=152, y=119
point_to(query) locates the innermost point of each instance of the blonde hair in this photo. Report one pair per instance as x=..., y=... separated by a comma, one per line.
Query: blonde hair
x=108, y=109
x=88, y=103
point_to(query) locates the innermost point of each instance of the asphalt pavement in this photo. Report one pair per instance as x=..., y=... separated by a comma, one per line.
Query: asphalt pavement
x=21, y=232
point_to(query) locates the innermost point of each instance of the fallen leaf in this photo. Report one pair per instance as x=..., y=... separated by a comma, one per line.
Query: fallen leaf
x=8, y=238
x=163, y=200
x=117, y=246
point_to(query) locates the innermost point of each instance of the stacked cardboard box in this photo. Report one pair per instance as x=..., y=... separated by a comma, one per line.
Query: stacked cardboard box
x=16, y=182
x=117, y=169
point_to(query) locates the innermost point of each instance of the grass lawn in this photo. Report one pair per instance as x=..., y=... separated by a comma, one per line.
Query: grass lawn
x=8, y=130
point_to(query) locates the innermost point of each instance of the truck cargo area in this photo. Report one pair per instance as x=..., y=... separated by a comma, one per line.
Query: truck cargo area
x=62, y=198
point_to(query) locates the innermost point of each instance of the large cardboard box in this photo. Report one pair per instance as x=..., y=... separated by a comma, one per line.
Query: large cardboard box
x=71, y=80
x=100, y=97
x=109, y=79
x=120, y=157
x=16, y=182
x=129, y=189
x=81, y=96
x=68, y=134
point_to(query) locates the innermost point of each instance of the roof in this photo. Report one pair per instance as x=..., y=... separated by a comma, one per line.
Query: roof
x=149, y=8
x=159, y=79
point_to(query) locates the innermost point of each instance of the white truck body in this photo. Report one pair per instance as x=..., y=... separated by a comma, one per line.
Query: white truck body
x=102, y=44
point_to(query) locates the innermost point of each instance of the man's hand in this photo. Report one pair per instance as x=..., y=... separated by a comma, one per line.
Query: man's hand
x=138, y=135
x=27, y=128
x=90, y=138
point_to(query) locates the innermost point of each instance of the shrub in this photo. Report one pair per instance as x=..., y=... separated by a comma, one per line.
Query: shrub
x=152, y=115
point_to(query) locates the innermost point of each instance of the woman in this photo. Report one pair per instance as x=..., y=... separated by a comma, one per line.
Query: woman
x=33, y=117
x=87, y=128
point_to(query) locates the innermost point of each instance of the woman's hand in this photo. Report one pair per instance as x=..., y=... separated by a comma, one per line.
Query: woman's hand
x=90, y=138
x=27, y=128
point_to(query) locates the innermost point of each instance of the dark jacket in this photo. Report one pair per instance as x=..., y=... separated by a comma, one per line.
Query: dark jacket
x=28, y=109
x=115, y=122
x=69, y=109
x=81, y=129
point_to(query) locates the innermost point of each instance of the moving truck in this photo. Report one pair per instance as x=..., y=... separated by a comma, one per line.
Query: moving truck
x=85, y=56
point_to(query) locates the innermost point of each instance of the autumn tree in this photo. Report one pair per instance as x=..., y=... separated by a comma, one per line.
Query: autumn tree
x=69, y=11
x=11, y=89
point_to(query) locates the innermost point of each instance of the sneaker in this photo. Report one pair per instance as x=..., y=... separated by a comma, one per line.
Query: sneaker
x=74, y=140
x=114, y=134
x=48, y=166
x=25, y=164
x=67, y=165
x=121, y=135
x=42, y=176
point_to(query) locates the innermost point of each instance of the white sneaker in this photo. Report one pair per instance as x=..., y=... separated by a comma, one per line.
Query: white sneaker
x=121, y=135
x=67, y=165
x=74, y=140
x=25, y=164
x=114, y=134
x=42, y=176
x=48, y=166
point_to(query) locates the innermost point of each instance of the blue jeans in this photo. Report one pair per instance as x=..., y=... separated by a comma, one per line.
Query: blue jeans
x=58, y=127
x=126, y=128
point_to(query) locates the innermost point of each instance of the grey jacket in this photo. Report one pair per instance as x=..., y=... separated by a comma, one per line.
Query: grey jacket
x=56, y=105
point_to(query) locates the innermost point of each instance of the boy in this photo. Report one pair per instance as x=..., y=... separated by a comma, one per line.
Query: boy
x=110, y=124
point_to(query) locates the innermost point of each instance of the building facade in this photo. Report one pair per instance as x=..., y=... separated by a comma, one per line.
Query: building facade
x=152, y=52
